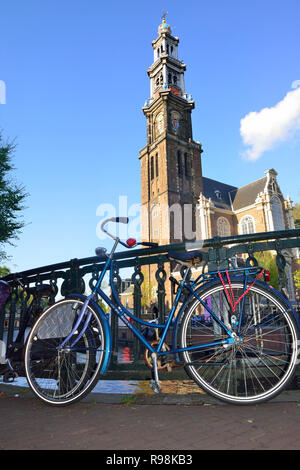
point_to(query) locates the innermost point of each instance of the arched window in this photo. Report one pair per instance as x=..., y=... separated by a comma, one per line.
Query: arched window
x=156, y=164
x=273, y=185
x=276, y=208
x=187, y=165
x=223, y=227
x=158, y=52
x=167, y=48
x=151, y=168
x=247, y=225
x=155, y=222
x=179, y=162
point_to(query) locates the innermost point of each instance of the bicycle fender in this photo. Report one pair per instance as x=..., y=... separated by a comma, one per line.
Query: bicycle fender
x=277, y=293
x=106, y=327
x=270, y=288
x=282, y=297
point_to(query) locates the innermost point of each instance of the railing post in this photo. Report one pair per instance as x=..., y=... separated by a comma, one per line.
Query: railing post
x=161, y=276
x=137, y=279
x=114, y=319
x=73, y=282
x=12, y=316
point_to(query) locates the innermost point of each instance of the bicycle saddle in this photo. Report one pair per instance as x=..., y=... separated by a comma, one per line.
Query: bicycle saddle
x=186, y=257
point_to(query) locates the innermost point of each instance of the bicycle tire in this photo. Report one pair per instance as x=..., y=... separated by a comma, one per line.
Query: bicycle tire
x=253, y=370
x=62, y=377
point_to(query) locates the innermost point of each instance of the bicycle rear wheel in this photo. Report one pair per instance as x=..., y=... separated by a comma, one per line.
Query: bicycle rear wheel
x=61, y=376
x=261, y=361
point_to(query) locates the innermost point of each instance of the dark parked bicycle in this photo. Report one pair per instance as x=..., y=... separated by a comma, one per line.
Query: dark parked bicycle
x=13, y=361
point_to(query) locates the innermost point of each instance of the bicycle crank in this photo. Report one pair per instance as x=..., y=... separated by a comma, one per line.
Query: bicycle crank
x=162, y=362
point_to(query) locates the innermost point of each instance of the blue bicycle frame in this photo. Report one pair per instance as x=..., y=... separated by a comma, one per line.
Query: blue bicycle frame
x=185, y=286
x=123, y=313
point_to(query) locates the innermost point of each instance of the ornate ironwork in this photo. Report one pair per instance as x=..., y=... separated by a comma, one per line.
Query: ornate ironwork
x=79, y=275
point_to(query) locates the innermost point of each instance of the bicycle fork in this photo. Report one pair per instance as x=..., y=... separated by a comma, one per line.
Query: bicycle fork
x=154, y=383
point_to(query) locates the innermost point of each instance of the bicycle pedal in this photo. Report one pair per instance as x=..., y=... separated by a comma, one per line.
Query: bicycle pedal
x=10, y=377
x=155, y=386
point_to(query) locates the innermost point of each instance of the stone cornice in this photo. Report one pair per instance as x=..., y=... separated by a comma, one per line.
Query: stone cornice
x=165, y=95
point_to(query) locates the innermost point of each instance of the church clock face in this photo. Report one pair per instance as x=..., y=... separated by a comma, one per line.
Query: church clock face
x=160, y=122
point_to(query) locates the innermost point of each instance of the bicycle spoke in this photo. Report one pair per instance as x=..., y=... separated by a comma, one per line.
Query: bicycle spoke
x=258, y=363
x=59, y=374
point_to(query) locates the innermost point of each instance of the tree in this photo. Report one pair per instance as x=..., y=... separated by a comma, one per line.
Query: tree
x=297, y=276
x=4, y=271
x=268, y=261
x=146, y=290
x=296, y=211
x=11, y=198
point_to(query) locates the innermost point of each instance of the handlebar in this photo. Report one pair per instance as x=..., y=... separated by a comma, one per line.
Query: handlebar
x=148, y=244
x=123, y=220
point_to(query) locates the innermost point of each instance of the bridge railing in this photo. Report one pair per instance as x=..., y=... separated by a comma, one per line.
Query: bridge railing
x=80, y=275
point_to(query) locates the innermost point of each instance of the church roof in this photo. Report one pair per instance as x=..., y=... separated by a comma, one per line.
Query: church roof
x=218, y=192
x=246, y=195
x=225, y=196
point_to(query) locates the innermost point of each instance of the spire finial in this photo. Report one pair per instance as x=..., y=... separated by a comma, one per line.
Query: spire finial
x=164, y=27
x=164, y=16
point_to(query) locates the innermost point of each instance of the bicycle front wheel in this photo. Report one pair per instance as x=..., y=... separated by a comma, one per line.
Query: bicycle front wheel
x=63, y=375
x=261, y=361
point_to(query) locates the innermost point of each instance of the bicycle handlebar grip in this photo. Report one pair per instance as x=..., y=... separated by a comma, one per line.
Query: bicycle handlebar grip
x=149, y=244
x=122, y=220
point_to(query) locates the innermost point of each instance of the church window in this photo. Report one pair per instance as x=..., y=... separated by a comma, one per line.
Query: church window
x=156, y=164
x=154, y=211
x=167, y=48
x=175, y=80
x=273, y=185
x=169, y=78
x=157, y=81
x=161, y=79
x=187, y=166
x=155, y=222
x=276, y=208
x=247, y=225
x=223, y=227
x=179, y=162
x=151, y=168
x=171, y=50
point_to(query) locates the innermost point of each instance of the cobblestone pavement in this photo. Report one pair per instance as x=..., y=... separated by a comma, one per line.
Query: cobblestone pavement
x=170, y=421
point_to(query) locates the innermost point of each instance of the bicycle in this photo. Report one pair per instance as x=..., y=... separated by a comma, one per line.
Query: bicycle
x=235, y=336
x=12, y=358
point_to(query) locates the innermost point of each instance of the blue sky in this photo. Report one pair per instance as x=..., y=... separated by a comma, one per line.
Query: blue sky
x=75, y=76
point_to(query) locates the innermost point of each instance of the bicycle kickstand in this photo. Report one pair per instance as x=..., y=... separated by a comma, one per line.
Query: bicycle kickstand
x=154, y=384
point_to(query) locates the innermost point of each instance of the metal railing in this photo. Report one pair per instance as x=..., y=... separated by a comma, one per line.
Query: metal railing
x=80, y=275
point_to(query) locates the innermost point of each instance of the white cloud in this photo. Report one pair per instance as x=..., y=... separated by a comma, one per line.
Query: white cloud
x=296, y=83
x=262, y=130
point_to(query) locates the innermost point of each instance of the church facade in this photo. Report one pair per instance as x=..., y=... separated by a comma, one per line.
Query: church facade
x=178, y=202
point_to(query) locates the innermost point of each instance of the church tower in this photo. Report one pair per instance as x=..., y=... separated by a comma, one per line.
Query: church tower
x=171, y=161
